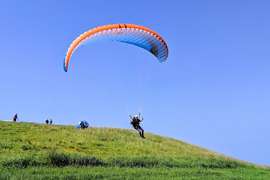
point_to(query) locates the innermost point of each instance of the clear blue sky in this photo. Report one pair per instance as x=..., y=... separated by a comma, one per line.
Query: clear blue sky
x=214, y=91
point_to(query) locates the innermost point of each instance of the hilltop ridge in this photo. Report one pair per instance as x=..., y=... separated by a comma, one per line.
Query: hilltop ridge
x=55, y=150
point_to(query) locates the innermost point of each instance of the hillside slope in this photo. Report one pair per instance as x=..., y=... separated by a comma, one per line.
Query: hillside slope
x=31, y=151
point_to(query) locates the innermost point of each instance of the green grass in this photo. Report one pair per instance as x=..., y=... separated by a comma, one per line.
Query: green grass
x=34, y=151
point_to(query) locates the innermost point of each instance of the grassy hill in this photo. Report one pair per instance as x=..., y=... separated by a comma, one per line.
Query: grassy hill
x=34, y=151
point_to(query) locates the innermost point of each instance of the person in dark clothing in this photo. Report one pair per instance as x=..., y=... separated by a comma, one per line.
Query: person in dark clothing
x=51, y=121
x=15, y=117
x=84, y=124
x=135, y=122
x=47, y=121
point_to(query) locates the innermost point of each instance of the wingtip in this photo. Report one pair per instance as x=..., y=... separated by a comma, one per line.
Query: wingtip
x=64, y=66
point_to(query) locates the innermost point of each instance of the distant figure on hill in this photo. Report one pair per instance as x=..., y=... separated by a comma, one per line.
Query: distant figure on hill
x=47, y=121
x=51, y=121
x=15, y=117
x=135, y=122
x=83, y=125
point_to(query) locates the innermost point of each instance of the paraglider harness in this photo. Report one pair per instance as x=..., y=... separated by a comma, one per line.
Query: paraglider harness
x=135, y=122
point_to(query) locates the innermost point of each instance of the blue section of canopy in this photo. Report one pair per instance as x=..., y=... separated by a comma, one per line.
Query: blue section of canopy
x=138, y=38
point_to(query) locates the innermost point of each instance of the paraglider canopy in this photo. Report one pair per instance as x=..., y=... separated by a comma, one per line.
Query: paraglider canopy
x=139, y=36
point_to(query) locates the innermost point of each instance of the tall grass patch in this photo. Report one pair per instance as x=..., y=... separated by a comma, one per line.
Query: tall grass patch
x=61, y=160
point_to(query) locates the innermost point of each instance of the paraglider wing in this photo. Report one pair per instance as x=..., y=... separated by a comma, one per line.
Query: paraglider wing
x=127, y=33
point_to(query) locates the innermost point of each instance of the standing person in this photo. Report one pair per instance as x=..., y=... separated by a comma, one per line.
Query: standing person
x=47, y=121
x=51, y=121
x=15, y=117
x=135, y=122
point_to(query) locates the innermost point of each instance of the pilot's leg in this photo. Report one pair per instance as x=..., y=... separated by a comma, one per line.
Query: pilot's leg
x=141, y=131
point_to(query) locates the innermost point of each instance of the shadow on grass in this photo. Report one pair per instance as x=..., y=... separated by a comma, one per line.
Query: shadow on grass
x=56, y=159
x=22, y=163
